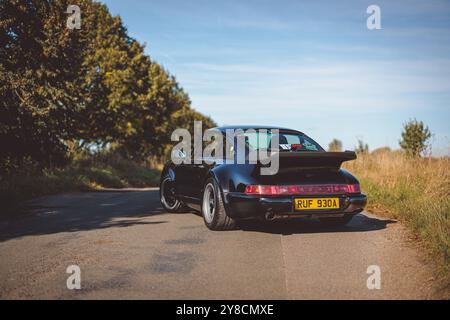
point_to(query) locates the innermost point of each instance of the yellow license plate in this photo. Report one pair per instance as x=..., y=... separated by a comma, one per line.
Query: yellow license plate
x=316, y=203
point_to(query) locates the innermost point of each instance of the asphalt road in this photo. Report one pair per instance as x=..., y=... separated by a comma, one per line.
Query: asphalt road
x=127, y=247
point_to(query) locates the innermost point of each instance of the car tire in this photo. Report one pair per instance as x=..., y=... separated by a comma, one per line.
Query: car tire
x=213, y=209
x=167, y=195
x=335, y=222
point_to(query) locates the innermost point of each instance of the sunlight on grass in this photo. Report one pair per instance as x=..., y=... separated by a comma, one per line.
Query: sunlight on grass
x=76, y=177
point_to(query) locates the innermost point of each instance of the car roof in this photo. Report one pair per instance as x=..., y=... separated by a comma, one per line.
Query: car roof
x=246, y=127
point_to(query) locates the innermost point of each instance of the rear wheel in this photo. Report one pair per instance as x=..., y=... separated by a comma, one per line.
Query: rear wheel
x=167, y=195
x=213, y=209
x=341, y=221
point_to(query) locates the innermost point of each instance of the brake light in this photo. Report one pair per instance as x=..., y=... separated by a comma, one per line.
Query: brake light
x=353, y=188
x=302, y=189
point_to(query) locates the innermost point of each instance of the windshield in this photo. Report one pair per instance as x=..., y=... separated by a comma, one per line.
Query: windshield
x=287, y=141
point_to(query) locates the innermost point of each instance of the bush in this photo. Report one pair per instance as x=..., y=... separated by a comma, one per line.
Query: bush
x=415, y=138
x=335, y=145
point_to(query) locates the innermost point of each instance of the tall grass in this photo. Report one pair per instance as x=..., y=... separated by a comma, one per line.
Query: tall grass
x=413, y=190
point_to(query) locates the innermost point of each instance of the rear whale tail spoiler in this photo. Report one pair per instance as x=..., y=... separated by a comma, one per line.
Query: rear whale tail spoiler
x=313, y=159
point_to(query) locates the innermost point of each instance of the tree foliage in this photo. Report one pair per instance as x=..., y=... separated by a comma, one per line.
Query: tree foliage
x=335, y=145
x=93, y=85
x=415, y=137
x=37, y=100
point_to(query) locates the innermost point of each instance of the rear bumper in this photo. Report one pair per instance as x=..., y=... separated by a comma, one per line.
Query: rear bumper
x=242, y=206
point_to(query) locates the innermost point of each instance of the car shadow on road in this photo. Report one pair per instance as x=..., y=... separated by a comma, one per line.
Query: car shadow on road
x=359, y=223
x=82, y=211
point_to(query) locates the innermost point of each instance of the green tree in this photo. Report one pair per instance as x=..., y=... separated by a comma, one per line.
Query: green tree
x=335, y=145
x=362, y=147
x=115, y=78
x=81, y=87
x=415, y=137
x=39, y=73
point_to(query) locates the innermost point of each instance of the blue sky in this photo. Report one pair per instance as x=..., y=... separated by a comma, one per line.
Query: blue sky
x=309, y=65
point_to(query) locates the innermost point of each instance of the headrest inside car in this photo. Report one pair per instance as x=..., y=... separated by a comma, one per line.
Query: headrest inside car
x=281, y=140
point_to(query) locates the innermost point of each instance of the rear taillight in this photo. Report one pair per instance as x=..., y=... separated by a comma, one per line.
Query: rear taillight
x=353, y=188
x=302, y=189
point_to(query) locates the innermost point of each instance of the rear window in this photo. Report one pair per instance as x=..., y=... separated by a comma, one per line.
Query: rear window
x=286, y=141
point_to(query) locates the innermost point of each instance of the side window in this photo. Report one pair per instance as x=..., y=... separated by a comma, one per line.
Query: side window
x=309, y=146
x=205, y=144
x=305, y=143
x=228, y=150
x=251, y=140
x=291, y=139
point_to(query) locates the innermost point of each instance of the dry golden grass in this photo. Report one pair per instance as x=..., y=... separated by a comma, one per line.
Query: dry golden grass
x=413, y=190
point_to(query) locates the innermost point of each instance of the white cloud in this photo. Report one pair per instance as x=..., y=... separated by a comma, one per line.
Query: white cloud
x=322, y=85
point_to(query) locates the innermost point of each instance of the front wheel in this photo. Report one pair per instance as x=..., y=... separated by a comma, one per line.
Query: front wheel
x=213, y=209
x=167, y=195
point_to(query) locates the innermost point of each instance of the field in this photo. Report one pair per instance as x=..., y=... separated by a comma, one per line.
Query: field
x=415, y=191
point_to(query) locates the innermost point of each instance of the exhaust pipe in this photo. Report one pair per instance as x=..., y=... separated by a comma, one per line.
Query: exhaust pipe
x=270, y=216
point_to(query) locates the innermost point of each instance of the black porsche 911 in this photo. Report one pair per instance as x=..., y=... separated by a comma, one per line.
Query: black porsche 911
x=308, y=183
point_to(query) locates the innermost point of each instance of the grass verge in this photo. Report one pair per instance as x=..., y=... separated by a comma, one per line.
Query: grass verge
x=18, y=188
x=415, y=191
